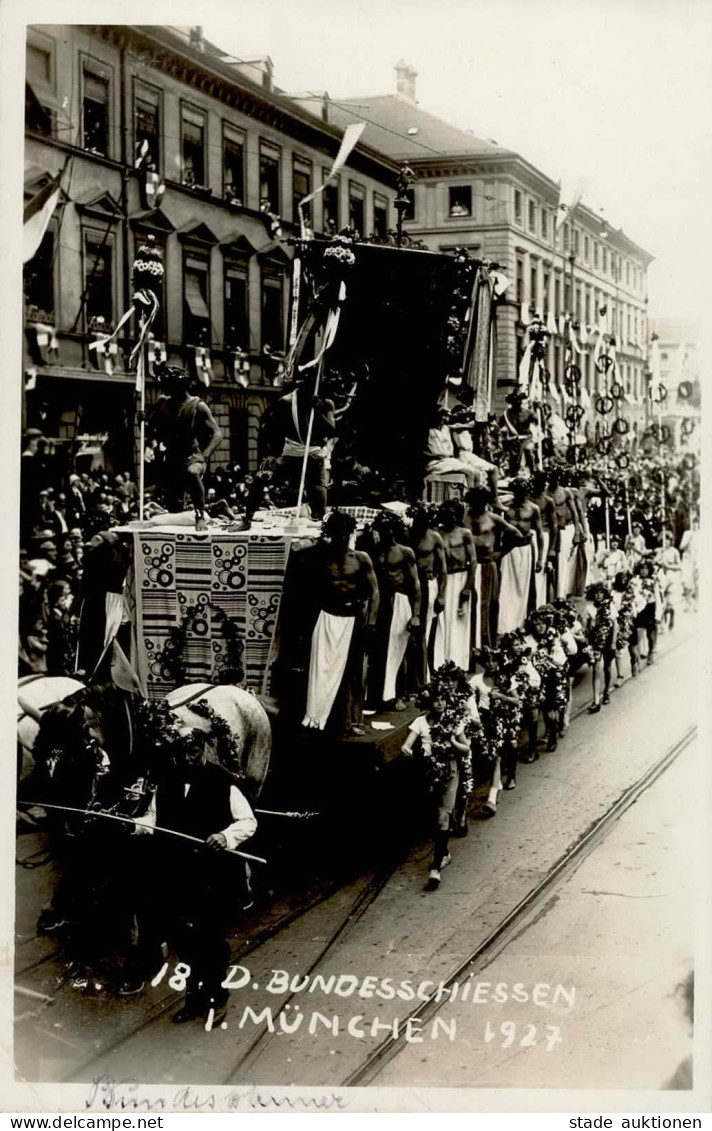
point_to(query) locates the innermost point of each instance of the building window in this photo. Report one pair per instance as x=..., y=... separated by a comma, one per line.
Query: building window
x=192, y=128
x=532, y=216
x=544, y=224
x=233, y=165
x=557, y=296
x=578, y=304
x=604, y=260
x=577, y=241
x=196, y=311
x=586, y=248
x=301, y=187
x=98, y=282
x=330, y=204
x=38, y=64
x=460, y=200
x=269, y=177
x=595, y=255
x=237, y=319
x=357, y=196
x=533, y=287
x=567, y=297
x=95, y=112
x=517, y=206
x=409, y=212
x=147, y=126
x=38, y=282
x=520, y=280
x=380, y=216
x=588, y=307
x=567, y=236
x=273, y=308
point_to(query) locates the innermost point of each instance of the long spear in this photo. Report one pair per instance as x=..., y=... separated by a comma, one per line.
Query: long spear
x=130, y=821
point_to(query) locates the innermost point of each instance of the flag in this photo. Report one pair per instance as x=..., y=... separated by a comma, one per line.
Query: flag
x=351, y=135
x=569, y=198
x=37, y=215
x=203, y=367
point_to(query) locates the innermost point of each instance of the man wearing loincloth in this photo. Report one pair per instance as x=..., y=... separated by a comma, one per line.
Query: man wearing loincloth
x=568, y=532
x=488, y=529
x=347, y=595
x=452, y=636
x=519, y=567
x=539, y=495
x=427, y=544
x=188, y=433
x=398, y=611
x=291, y=425
x=517, y=428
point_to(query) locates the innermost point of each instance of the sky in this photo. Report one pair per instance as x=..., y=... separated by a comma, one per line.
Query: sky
x=619, y=93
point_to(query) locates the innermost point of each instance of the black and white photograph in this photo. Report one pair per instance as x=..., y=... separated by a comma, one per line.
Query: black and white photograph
x=354, y=452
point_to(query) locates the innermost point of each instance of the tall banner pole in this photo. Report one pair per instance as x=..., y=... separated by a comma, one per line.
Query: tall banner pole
x=141, y=381
x=307, y=443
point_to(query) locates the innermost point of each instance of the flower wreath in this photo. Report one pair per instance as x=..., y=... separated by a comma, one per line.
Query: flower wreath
x=171, y=658
x=159, y=728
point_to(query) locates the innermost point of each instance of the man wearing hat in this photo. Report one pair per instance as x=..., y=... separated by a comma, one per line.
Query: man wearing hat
x=189, y=435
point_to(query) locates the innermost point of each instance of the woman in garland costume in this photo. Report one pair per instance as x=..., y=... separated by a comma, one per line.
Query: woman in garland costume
x=532, y=687
x=503, y=720
x=486, y=743
x=601, y=633
x=444, y=733
x=573, y=641
x=623, y=592
x=650, y=606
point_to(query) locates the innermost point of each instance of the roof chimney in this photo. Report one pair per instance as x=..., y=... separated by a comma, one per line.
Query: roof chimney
x=405, y=81
x=196, y=38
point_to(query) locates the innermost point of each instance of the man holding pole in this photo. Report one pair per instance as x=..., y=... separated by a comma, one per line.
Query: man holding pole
x=292, y=426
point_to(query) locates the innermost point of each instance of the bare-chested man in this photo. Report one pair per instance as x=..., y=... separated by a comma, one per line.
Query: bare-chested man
x=568, y=532
x=399, y=610
x=452, y=637
x=291, y=426
x=519, y=566
x=518, y=431
x=429, y=552
x=347, y=592
x=549, y=524
x=188, y=434
x=487, y=529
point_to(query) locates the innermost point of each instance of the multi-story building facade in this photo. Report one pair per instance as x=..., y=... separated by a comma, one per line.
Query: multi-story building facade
x=229, y=148
x=472, y=193
x=678, y=361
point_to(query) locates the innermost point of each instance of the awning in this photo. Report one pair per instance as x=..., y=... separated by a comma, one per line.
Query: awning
x=42, y=96
x=194, y=298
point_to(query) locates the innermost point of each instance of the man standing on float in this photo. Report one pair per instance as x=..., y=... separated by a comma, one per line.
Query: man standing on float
x=188, y=433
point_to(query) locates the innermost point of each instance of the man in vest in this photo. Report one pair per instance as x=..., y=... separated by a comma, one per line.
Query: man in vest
x=188, y=435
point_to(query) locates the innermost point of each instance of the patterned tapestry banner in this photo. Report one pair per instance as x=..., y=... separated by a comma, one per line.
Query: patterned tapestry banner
x=179, y=573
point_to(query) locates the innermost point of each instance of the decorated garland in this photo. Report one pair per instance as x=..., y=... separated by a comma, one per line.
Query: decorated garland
x=227, y=746
x=450, y=684
x=171, y=658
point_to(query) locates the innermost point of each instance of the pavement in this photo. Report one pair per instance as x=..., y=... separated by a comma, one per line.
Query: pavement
x=407, y=933
x=619, y=931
